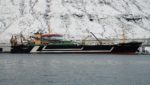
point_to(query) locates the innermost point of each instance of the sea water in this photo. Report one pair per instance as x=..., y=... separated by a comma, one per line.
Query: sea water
x=74, y=69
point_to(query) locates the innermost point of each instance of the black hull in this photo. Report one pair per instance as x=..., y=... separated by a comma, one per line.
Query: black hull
x=125, y=48
x=1, y=50
x=21, y=49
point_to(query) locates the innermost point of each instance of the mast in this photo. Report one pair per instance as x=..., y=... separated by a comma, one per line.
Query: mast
x=123, y=36
x=47, y=16
x=49, y=29
x=96, y=38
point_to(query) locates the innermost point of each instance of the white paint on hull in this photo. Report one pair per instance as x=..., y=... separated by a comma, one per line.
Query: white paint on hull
x=71, y=50
x=67, y=49
x=34, y=50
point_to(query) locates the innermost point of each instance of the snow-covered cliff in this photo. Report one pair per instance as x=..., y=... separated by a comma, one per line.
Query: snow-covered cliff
x=105, y=18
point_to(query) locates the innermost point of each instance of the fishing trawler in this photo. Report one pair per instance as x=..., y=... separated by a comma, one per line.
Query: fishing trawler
x=55, y=43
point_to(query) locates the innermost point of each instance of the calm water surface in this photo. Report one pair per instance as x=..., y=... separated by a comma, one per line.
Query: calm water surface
x=72, y=69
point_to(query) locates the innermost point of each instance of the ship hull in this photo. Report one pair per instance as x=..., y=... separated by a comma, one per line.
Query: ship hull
x=125, y=48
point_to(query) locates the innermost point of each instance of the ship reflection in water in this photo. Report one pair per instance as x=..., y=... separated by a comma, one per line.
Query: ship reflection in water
x=74, y=69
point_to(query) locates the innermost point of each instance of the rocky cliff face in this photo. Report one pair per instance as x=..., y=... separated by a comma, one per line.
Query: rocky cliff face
x=105, y=18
